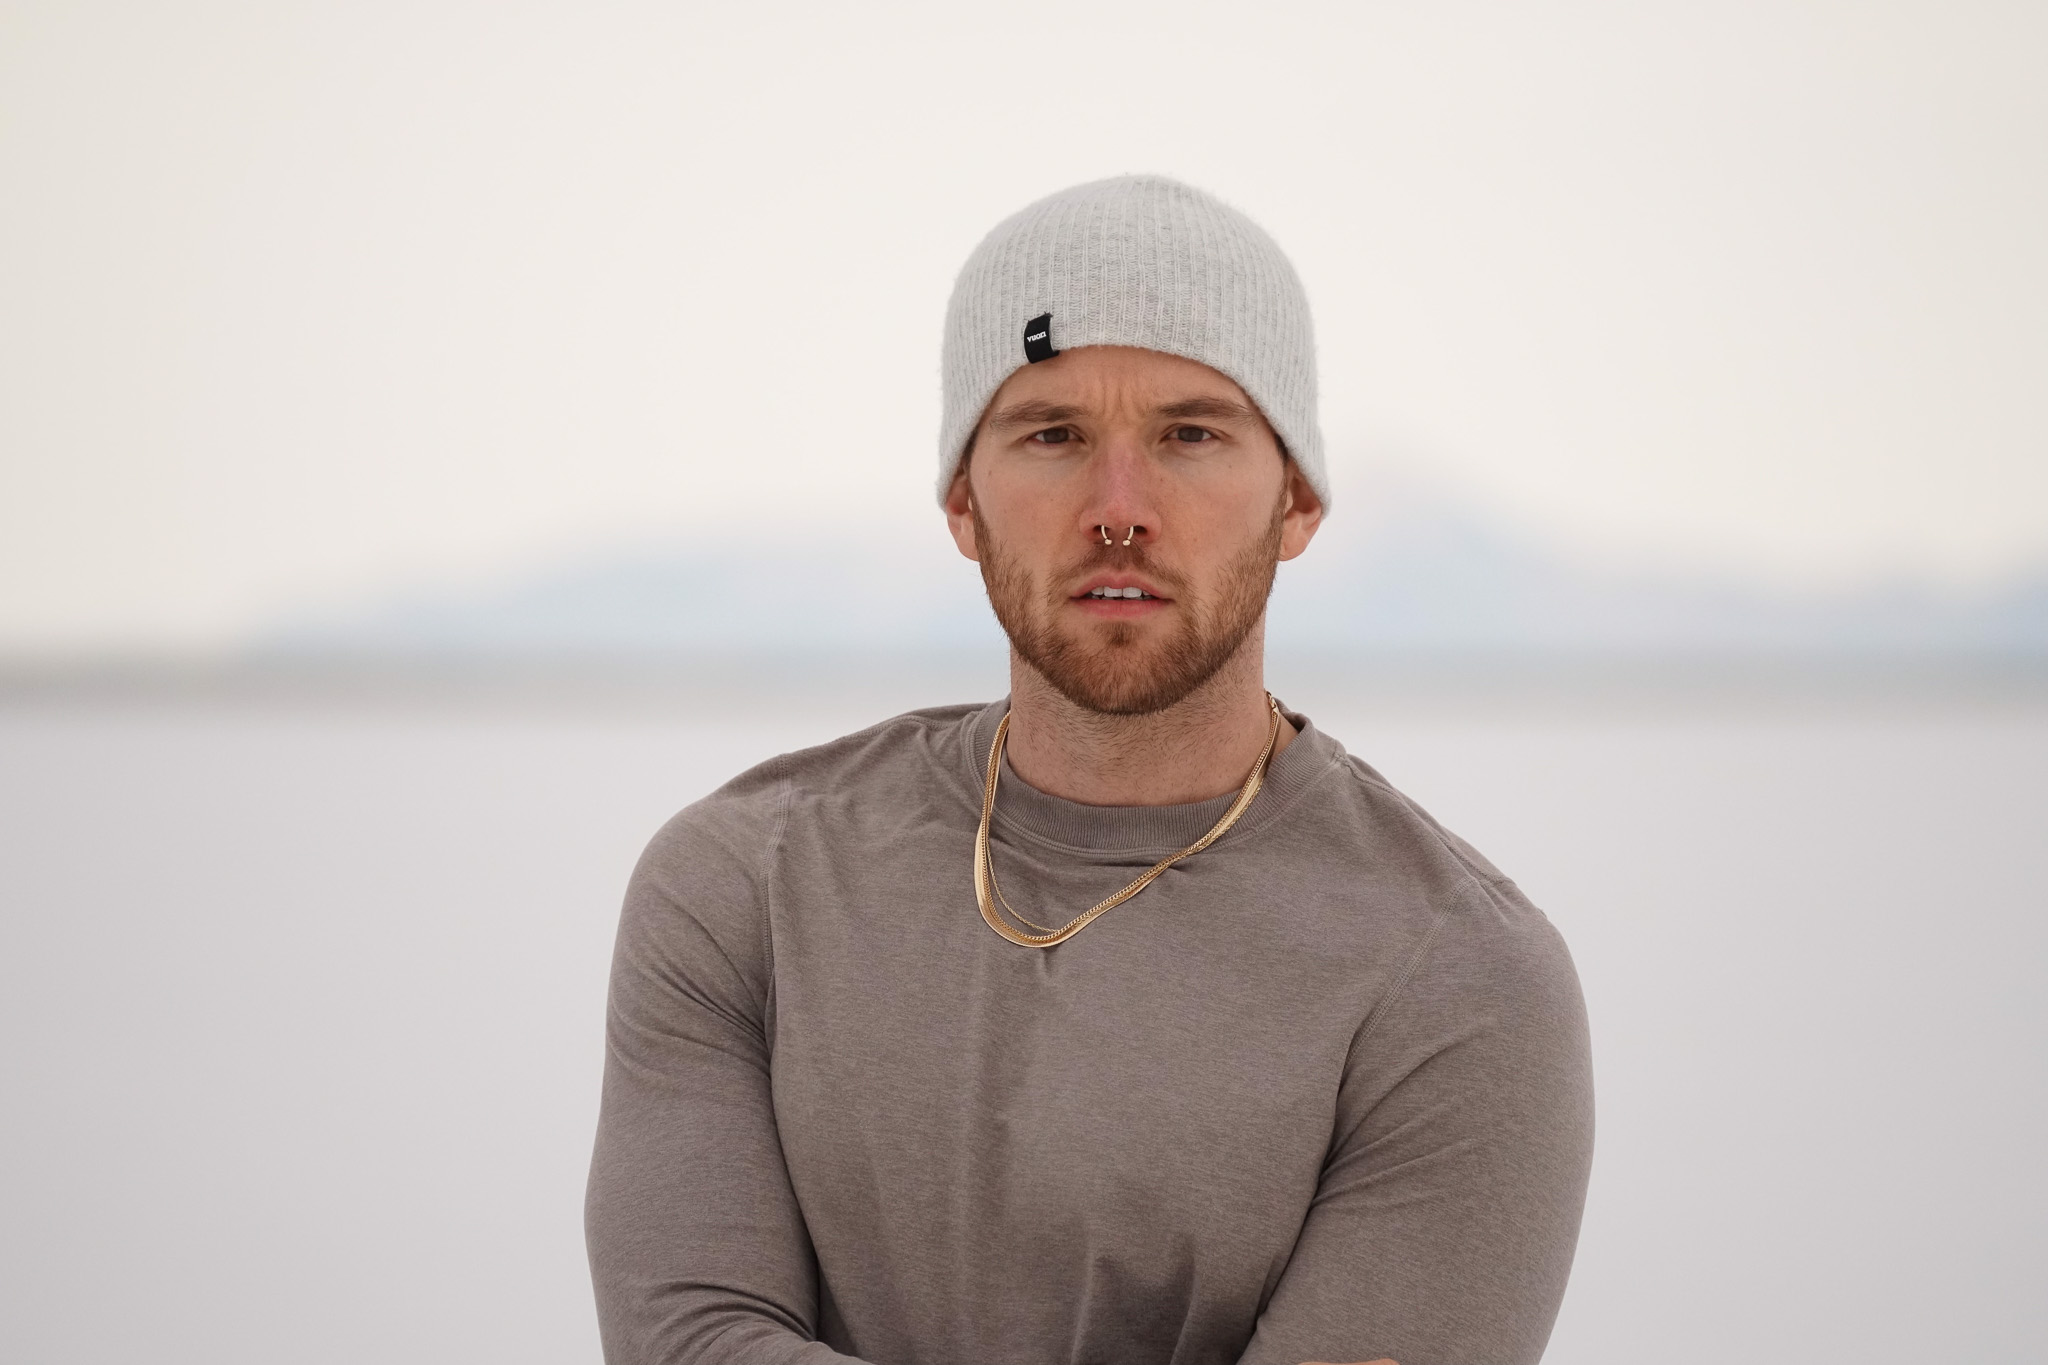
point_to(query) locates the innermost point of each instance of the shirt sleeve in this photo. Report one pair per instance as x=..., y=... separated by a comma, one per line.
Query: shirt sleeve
x=1444, y=1221
x=698, y=1250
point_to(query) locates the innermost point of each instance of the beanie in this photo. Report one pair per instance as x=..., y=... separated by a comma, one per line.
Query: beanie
x=1139, y=260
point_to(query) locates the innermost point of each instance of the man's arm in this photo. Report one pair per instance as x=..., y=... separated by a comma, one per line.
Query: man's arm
x=698, y=1250
x=1443, y=1226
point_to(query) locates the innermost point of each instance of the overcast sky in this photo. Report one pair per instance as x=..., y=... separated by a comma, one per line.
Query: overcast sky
x=304, y=303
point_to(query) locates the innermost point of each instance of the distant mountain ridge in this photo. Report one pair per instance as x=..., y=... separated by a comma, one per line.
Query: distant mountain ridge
x=1438, y=579
x=1425, y=577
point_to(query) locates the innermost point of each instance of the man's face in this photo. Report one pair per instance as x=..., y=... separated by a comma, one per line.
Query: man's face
x=1120, y=438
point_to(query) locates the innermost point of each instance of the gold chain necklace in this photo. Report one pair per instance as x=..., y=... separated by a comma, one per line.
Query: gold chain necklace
x=987, y=893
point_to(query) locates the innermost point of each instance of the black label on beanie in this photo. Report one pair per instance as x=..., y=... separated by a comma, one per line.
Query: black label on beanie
x=1038, y=339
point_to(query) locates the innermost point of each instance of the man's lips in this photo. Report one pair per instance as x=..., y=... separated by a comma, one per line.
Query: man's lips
x=1120, y=595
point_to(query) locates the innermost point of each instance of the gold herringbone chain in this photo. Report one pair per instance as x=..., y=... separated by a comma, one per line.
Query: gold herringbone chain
x=988, y=894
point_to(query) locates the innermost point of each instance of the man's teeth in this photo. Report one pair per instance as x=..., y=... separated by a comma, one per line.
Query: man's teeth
x=1118, y=592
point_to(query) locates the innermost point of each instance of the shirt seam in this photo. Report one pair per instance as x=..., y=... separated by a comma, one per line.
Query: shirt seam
x=771, y=856
x=1308, y=783
x=1392, y=995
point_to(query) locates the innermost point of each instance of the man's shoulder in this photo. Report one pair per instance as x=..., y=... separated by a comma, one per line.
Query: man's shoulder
x=913, y=740
x=1389, y=804
x=1402, y=856
x=707, y=863
x=1470, y=942
x=904, y=751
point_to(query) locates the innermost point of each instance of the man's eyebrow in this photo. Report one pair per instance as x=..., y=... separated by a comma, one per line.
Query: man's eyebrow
x=1034, y=413
x=1037, y=413
x=1215, y=409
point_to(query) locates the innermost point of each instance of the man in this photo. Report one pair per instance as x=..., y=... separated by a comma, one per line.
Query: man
x=1127, y=1020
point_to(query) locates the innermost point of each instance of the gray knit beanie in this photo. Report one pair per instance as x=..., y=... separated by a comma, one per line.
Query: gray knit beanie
x=1135, y=261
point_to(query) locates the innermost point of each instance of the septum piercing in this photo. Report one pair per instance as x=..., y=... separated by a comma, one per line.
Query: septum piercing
x=1127, y=536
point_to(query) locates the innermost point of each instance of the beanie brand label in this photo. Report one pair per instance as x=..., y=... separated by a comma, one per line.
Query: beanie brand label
x=1038, y=339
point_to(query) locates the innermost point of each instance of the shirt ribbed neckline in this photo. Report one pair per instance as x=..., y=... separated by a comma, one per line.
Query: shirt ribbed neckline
x=1023, y=809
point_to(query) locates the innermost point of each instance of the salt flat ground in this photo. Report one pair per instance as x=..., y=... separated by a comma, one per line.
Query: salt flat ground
x=300, y=1014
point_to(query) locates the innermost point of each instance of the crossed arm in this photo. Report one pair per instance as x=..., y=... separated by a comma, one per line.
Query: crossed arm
x=1444, y=1222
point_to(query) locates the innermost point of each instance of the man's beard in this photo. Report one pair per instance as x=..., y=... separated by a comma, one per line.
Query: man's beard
x=1117, y=671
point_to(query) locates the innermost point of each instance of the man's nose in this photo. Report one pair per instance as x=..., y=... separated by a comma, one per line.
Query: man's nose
x=1122, y=510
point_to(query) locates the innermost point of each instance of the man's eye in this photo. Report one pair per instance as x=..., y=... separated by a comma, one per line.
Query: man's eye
x=1192, y=435
x=1053, y=436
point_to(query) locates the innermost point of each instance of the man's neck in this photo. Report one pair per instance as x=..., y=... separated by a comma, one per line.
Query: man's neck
x=1201, y=747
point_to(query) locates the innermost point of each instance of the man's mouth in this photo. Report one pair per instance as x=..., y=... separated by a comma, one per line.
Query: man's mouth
x=1121, y=598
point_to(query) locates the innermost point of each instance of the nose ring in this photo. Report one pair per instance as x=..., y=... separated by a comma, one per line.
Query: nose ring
x=1105, y=534
x=1127, y=538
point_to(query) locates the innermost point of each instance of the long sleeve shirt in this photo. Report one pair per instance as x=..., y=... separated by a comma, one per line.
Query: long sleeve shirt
x=1321, y=1092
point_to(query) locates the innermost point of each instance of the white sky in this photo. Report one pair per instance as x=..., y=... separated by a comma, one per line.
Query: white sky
x=301, y=302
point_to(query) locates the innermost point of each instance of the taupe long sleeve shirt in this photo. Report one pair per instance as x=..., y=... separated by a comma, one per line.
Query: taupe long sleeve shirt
x=1321, y=1092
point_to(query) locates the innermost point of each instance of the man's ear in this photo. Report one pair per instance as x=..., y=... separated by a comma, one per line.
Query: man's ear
x=1303, y=514
x=960, y=509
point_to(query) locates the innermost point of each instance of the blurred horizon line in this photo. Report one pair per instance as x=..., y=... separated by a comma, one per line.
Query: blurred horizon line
x=889, y=682
x=1427, y=573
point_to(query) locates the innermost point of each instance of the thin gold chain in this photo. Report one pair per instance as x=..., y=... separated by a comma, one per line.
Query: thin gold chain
x=987, y=894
